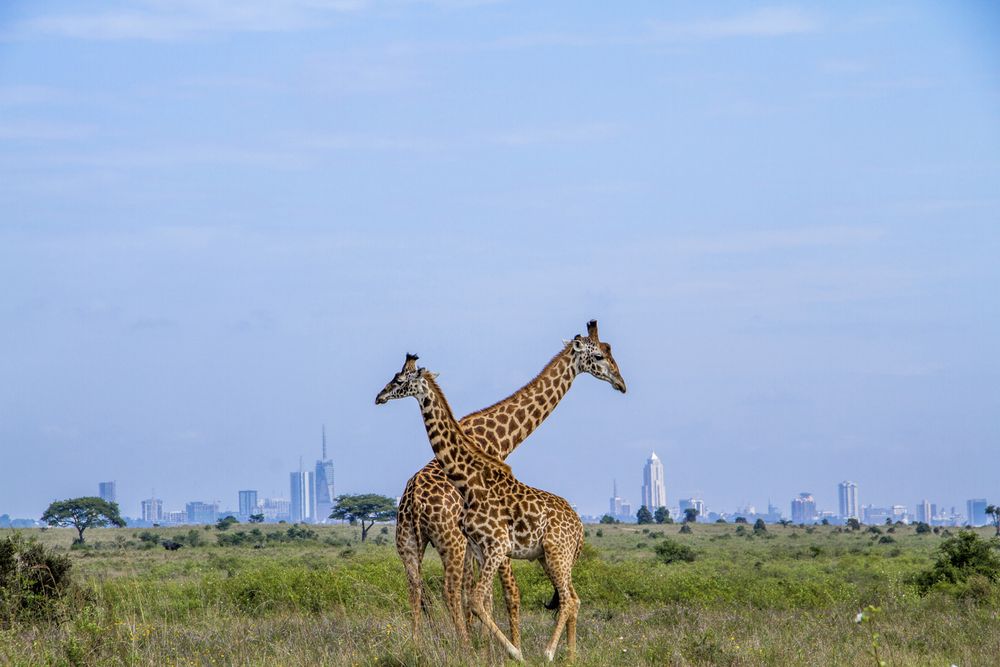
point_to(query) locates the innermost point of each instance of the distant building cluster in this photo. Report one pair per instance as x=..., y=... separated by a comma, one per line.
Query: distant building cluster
x=802, y=509
x=310, y=500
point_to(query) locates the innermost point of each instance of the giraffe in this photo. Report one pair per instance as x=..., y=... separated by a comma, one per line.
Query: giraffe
x=501, y=517
x=430, y=506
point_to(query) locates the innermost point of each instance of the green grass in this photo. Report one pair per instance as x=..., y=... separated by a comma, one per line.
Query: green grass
x=787, y=598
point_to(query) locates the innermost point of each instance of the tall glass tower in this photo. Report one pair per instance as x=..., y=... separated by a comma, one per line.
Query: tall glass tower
x=847, y=493
x=654, y=490
x=324, y=485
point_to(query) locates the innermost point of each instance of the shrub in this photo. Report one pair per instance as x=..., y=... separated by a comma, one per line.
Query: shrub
x=886, y=539
x=685, y=528
x=33, y=580
x=759, y=528
x=149, y=538
x=960, y=558
x=923, y=528
x=669, y=551
x=599, y=533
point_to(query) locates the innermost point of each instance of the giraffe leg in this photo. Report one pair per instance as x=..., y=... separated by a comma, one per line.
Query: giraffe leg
x=571, y=624
x=492, y=559
x=559, y=568
x=453, y=559
x=512, y=597
x=410, y=547
x=468, y=582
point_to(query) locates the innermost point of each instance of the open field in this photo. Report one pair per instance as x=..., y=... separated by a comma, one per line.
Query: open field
x=787, y=598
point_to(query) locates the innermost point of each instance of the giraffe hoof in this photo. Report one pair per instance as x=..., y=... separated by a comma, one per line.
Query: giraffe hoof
x=517, y=655
x=550, y=655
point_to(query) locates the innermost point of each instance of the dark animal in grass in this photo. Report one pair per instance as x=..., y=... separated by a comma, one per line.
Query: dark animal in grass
x=170, y=545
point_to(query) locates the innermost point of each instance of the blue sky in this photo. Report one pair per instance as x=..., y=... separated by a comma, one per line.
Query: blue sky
x=223, y=224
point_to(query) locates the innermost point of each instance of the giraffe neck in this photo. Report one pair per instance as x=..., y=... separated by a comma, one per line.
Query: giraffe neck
x=506, y=424
x=462, y=459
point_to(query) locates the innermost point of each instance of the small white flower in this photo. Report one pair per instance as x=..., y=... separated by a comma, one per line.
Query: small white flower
x=861, y=616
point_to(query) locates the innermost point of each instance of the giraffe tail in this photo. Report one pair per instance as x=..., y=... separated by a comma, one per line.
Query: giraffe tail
x=554, y=602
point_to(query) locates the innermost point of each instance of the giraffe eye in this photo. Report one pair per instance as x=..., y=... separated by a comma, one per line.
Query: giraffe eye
x=598, y=357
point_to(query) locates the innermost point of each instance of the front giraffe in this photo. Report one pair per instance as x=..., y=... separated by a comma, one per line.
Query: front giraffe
x=501, y=517
x=430, y=506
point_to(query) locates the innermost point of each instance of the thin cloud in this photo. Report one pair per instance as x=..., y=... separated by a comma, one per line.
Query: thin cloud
x=157, y=20
x=764, y=22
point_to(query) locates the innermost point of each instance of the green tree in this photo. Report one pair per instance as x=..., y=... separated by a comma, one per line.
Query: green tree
x=853, y=524
x=83, y=513
x=366, y=509
x=690, y=514
x=661, y=515
x=644, y=515
x=958, y=558
x=226, y=522
x=607, y=518
x=669, y=551
x=256, y=518
x=758, y=527
x=994, y=512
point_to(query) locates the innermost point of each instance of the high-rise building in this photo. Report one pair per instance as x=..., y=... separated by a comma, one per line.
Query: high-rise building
x=654, y=490
x=175, y=516
x=106, y=491
x=976, y=511
x=847, y=493
x=248, y=503
x=152, y=510
x=804, y=508
x=324, y=485
x=199, y=512
x=696, y=504
x=275, y=509
x=303, y=497
x=874, y=516
x=924, y=512
x=615, y=502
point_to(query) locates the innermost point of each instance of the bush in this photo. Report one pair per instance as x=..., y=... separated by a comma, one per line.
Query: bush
x=960, y=558
x=33, y=580
x=685, y=528
x=669, y=551
x=923, y=528
x=759, y=528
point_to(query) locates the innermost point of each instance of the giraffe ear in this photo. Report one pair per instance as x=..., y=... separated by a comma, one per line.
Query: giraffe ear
x=578, y=345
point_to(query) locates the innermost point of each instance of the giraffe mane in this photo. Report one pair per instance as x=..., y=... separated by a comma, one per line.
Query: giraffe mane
x=467, y=442
x=530, y=382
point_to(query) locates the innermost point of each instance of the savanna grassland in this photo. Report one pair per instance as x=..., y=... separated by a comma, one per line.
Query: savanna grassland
x=288, y=596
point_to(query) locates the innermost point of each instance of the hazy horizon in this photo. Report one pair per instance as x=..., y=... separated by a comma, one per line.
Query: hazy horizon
x=224, y=225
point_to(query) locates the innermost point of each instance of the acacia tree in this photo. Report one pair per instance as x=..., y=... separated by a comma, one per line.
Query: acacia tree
x=83, y=513
x=644, y=515
x=661, y=515
x=994, y=512
x=365, y=508
x=690, y=514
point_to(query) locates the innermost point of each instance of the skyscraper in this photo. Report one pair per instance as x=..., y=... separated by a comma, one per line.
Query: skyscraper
x=248, y=504
x=847, y=492
x=303, y=497
x=654, y=491
x=976, y=511
x=106, y=490
x=199, y=512
x=152, y=510
x=804, y=508
x=924, y=513
x=324, y=485
x=615, y=502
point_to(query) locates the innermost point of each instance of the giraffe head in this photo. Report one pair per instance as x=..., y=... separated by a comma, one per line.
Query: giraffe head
x=410, y=381
x=591, y=355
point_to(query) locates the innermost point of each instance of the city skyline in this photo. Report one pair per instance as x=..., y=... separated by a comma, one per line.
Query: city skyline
x=784, y=218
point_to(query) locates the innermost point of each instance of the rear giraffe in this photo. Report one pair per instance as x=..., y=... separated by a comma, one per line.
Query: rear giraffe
x=502, y=517
x=430, y=506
